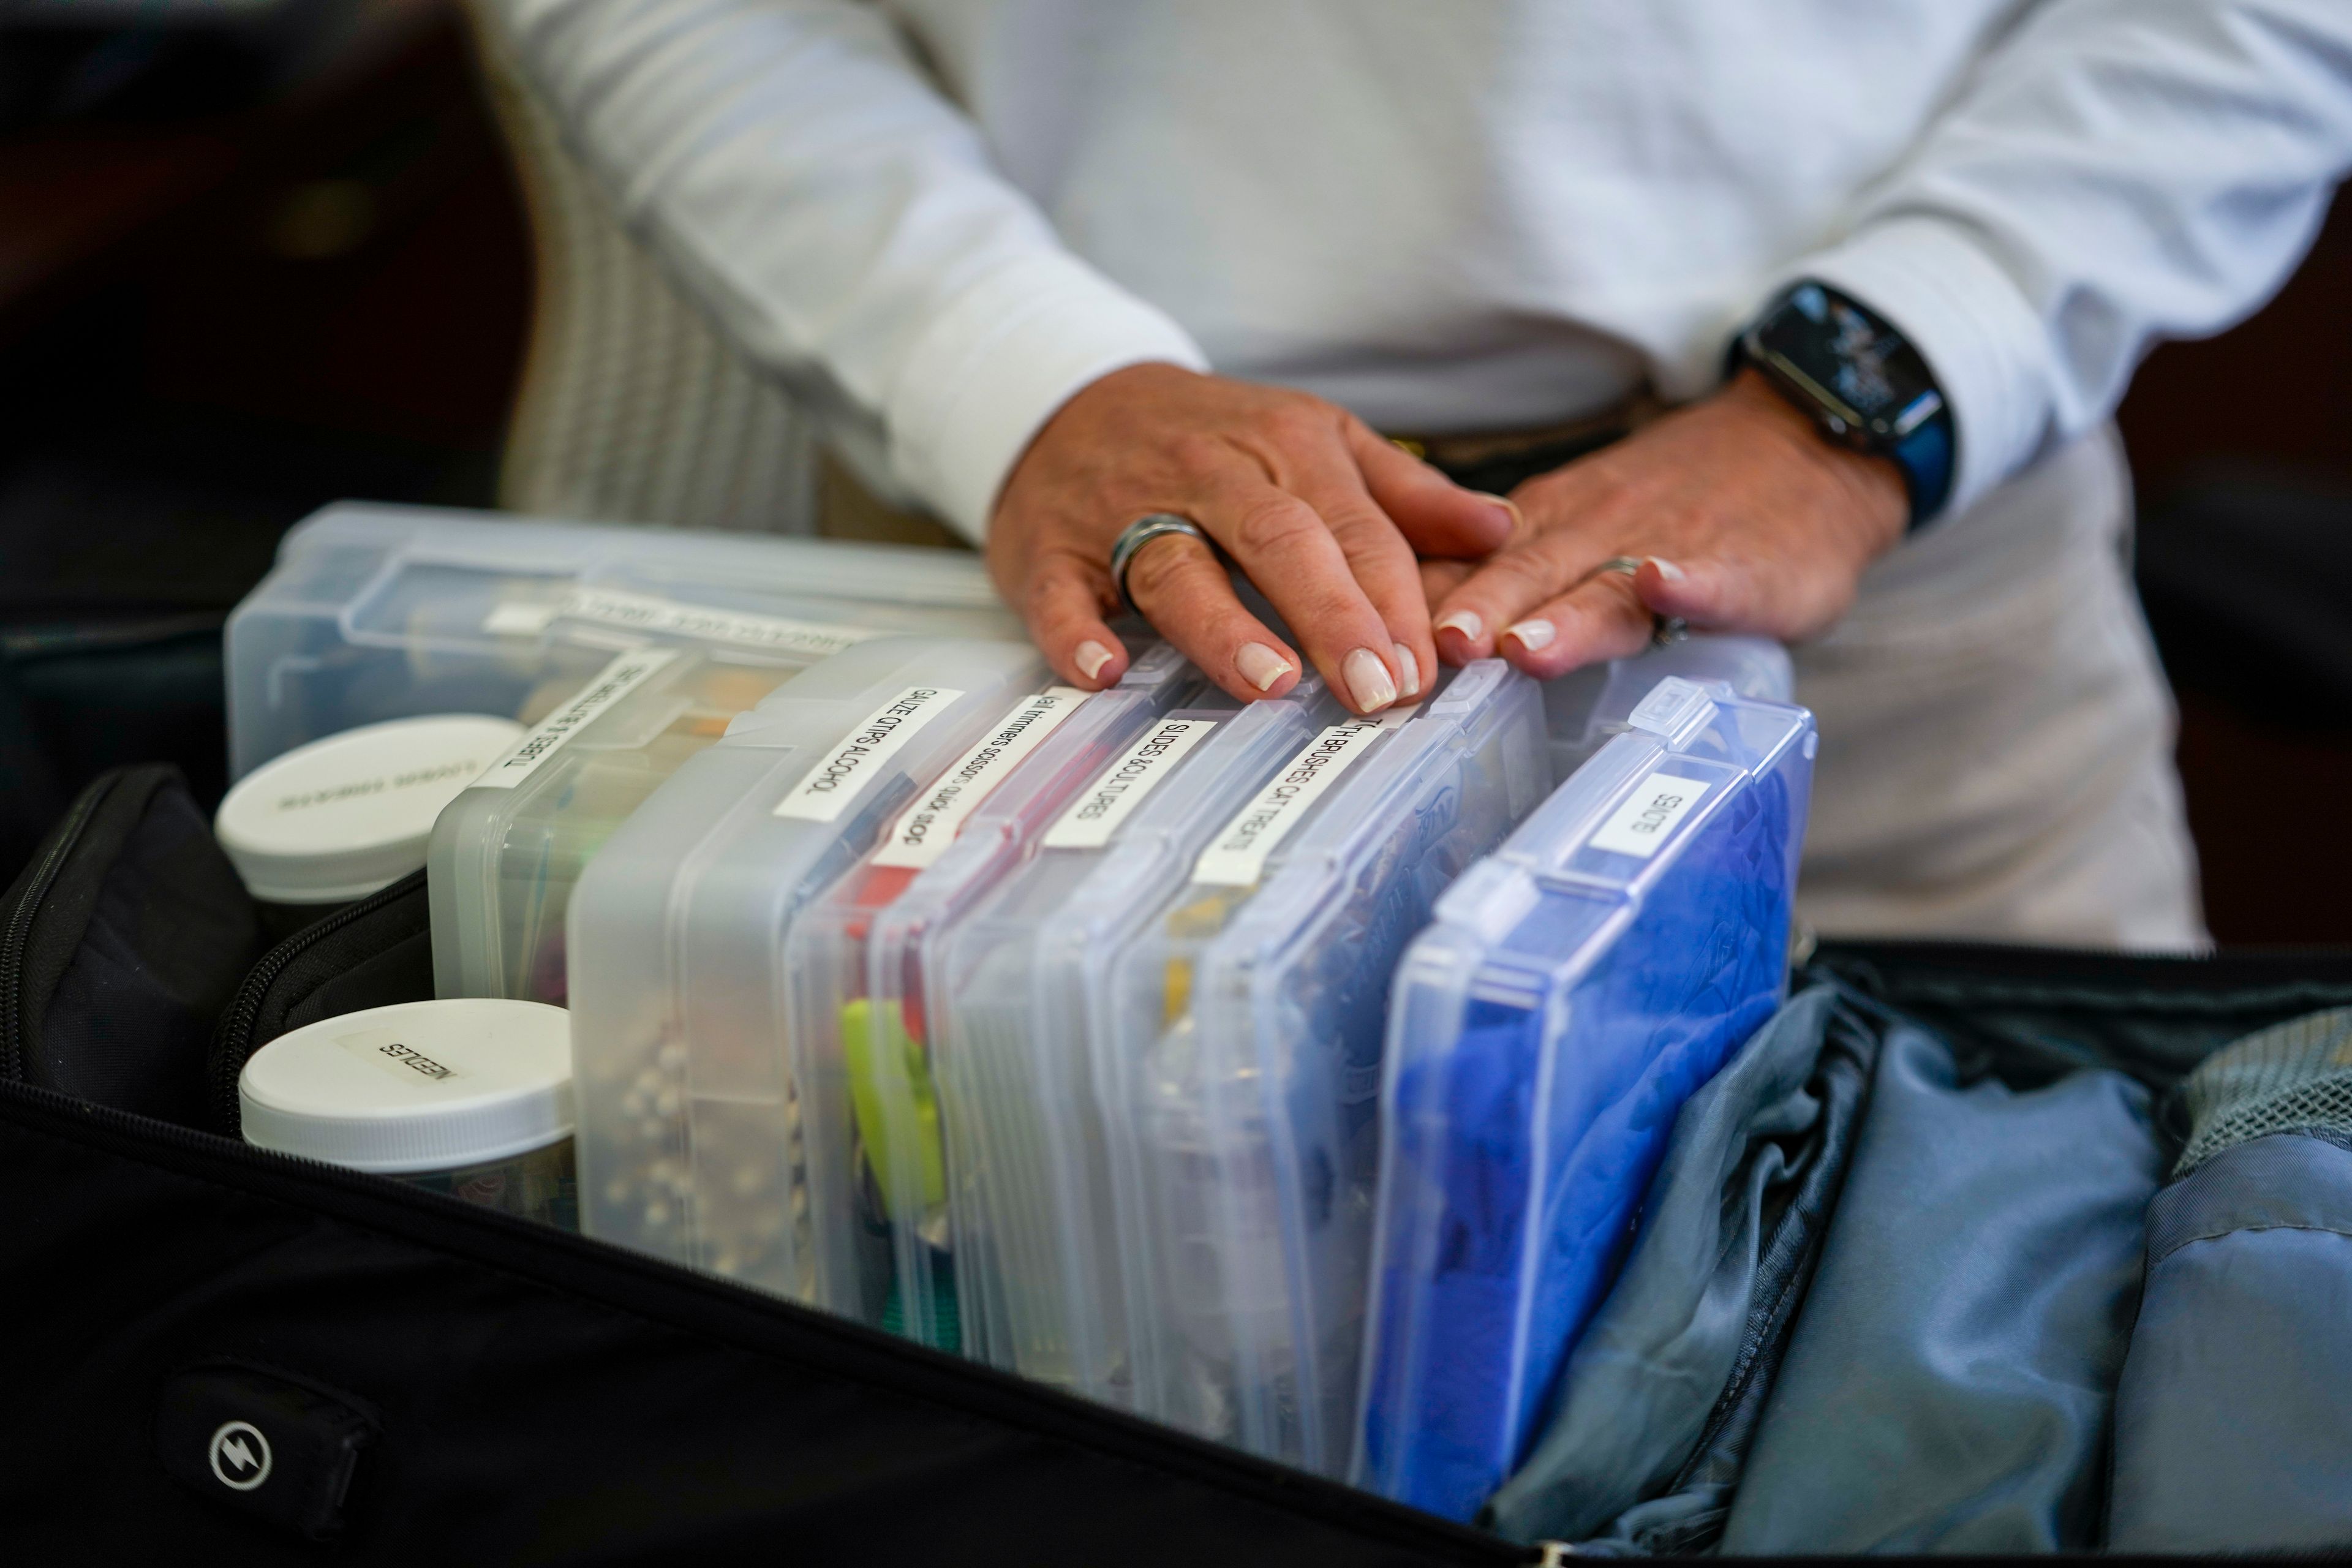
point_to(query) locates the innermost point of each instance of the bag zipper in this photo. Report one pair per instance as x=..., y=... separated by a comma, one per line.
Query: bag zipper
x=1768, y=1322
x=2025, y=967
x=18, y=936
x=232, y=1039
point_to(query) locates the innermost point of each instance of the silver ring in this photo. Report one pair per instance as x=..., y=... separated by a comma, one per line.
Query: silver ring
x=1137, y=534
x=1665, y=630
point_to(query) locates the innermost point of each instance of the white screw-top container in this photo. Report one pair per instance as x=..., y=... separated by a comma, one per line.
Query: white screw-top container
x=471, y=1096
x=339, y=818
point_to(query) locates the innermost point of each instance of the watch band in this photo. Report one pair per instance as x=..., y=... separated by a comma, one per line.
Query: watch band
x=1925, y=457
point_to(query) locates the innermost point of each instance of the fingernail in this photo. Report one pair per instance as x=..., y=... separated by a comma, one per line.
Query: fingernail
x=1368, y=680
x=1091, y=657
x=1409, y=669
x=1507, y=504
x=1467, y=622
x=1261, y=666
x=1668, y=570
x=1533, y=634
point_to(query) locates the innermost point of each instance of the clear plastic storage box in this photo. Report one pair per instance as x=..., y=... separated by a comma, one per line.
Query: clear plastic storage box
x=382, y=612
x=1585, y=708
x=1239, y=1065
x=1017, y=982
x=862, y=1013
x=1576, y=988
x=690, y=1141
x=507, y=849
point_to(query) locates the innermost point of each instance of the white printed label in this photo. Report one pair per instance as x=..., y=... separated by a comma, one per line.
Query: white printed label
x=925, y=829
x=649, y=613
x=384, y=1050
x=1648, y=816
x=1236, y=857
x=834, y=782
x=380, y=785
x=616, y=680
x=1096, y=815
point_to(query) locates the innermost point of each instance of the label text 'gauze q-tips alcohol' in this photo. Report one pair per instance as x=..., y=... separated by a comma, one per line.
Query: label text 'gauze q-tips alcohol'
x=825, y=791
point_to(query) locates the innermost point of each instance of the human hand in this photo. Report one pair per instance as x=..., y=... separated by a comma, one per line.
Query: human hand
x=1744, y=519
x=1320, y=513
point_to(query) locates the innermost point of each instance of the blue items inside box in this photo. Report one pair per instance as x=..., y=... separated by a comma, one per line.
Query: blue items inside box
x=1576, y=987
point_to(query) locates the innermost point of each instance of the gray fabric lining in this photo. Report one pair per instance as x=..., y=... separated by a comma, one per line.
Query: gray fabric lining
x=1655, y=1361
x=2232, y=1431
x=1948, y=1384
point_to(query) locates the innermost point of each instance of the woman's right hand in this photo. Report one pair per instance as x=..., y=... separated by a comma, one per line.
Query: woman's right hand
x=1323, y=516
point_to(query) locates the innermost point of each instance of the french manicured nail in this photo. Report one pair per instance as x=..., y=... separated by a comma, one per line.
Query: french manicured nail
x=1668, y=570
x=1408, y=670
x=1091, y=657
x=1467, y=622
x=1369, y=681
x=1261, y=666
x=1533, y=634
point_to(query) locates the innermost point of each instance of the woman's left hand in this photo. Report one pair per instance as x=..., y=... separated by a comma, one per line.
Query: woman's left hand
x=1743, y=517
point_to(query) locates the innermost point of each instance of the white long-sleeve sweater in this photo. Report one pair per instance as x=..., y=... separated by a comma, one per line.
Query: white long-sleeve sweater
x=941, y=219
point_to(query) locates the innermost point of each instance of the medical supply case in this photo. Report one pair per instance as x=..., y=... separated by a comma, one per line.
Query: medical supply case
x=1923, y=1266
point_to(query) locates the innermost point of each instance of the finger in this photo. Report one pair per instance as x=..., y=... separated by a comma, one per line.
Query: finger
x=1534, y=569
x=1729, y=594
x=1181, y=588
x=1602, y=618
x=1441, y=578
x=1063, y=604
x=1378, y=557
x=1436, y=516
x=1292, y=556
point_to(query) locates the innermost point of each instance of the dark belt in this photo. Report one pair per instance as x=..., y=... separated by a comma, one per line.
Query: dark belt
x=1498, y=463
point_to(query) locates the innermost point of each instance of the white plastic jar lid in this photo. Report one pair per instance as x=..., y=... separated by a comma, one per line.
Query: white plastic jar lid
x=423, y=1085
x=339, y=818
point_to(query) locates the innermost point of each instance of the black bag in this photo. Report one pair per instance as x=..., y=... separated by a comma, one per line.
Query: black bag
x=217, y=1347
x=432, y=1380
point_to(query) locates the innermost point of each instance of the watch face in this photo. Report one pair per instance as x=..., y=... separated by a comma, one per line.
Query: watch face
x=1873, y=373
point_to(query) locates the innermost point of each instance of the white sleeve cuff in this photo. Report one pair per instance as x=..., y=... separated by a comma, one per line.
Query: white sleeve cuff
x=1971, y=324
x=999, y=362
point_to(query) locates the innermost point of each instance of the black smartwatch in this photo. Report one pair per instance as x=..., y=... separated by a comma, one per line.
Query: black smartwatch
x=1863, y=384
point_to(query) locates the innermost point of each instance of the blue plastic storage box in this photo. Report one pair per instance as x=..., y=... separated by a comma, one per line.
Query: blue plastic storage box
x=1575, y=988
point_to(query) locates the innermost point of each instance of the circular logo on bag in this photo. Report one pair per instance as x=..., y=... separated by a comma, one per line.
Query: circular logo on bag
x=240, y=1455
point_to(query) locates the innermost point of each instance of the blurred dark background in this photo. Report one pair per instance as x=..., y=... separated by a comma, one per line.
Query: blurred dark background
x=250, y=262
x=258, y=257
